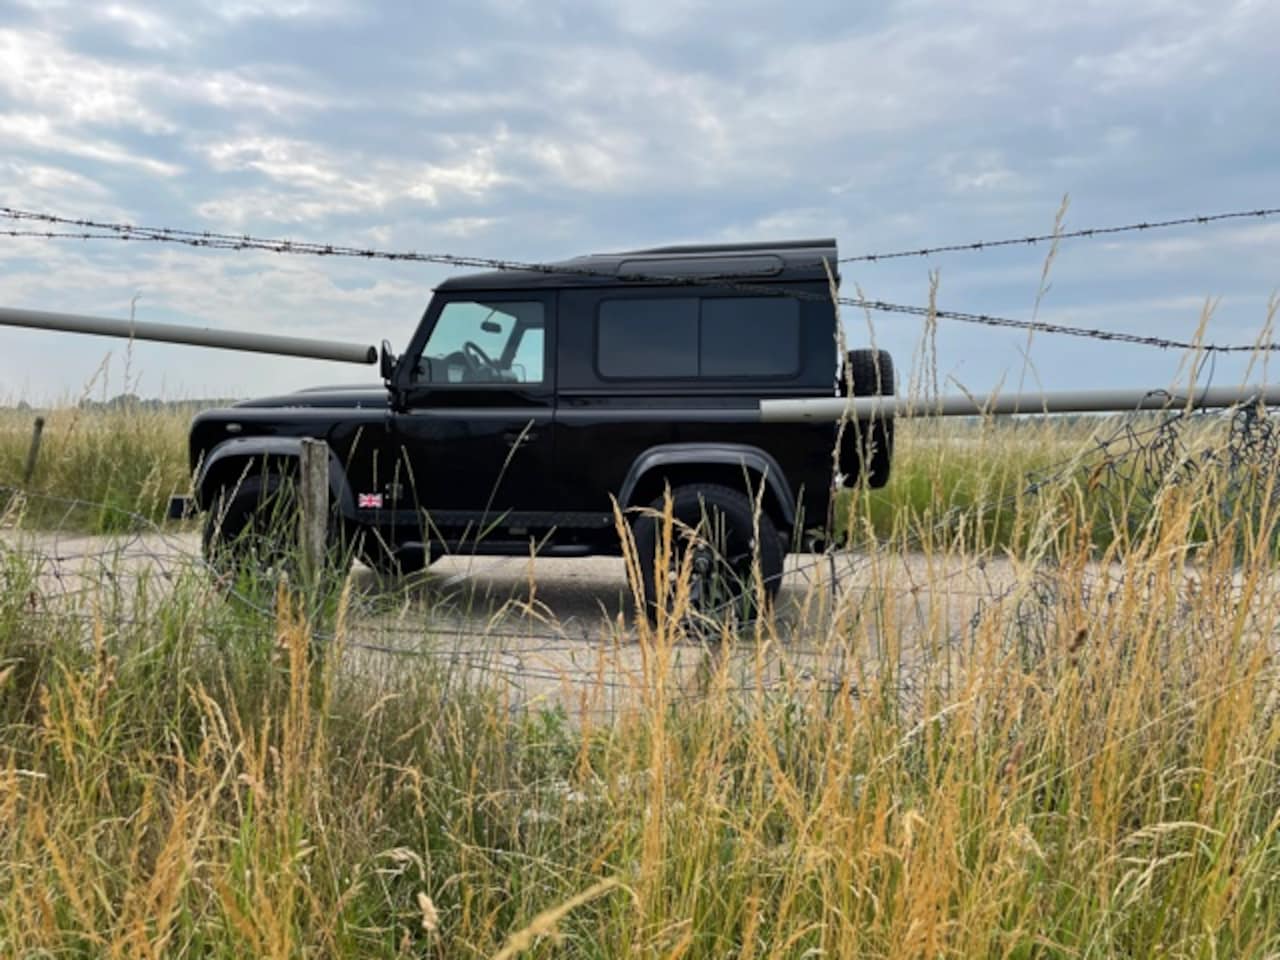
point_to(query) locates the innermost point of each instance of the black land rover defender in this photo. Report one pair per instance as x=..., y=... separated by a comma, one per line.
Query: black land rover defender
x=528, y=400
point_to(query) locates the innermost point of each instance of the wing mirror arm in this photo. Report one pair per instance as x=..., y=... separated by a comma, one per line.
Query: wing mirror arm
x=389, y=365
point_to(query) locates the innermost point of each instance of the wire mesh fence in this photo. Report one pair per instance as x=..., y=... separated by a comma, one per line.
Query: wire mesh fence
x=902, y=611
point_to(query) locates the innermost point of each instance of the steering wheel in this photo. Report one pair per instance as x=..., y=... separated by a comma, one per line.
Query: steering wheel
x=476, y=355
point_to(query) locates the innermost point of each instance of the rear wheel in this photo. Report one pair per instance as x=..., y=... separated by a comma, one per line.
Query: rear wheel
x=718, y=534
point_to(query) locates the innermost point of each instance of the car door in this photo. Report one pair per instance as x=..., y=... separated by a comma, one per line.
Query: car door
x=474, y=434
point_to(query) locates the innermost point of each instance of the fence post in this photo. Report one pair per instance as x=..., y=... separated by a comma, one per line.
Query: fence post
x=313, y=496
x=37, y=431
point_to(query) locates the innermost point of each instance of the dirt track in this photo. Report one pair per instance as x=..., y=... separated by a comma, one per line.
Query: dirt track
x=563, y=629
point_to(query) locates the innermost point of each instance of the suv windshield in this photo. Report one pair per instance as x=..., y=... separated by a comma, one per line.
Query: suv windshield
x=477, y=342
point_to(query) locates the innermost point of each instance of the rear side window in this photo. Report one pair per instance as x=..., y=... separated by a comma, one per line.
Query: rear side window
x=648, y=338
x=749, y=337
x=715, y=338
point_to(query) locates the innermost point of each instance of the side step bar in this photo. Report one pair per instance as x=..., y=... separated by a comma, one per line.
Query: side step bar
x=495, y=548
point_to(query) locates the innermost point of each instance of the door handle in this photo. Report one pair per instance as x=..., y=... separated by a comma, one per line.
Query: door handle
x=515, y=438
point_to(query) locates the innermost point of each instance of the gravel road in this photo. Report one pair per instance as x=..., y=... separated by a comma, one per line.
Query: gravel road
x=561, y=629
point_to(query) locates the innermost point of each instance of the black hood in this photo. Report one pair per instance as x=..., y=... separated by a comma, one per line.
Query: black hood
x=344, y=395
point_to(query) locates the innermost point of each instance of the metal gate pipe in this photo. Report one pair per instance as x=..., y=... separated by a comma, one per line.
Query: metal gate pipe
x=192, y=336
x=1062, y=401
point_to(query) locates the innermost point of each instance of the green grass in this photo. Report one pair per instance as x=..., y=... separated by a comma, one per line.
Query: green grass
x=102, y=471
x=977, y=484
x=97, y=469
x=1077, y=772
x=964, y=477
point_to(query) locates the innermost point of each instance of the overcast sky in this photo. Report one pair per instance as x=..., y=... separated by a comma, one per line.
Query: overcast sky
x=539, y=130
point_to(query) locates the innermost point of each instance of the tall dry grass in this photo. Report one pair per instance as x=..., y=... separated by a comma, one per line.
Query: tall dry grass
x=1087, y=764
x=98, y=470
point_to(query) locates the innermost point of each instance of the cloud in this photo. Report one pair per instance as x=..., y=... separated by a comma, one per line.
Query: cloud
x=655, y=18
x=37, y=132
x=1247, y=245
x=473, y=171
x=232, y=90
x=981, y=170
x=48, y=187
x=1181, y=45
x=237, y=10
x=793, y=223
x=287, y=161
x=36, y=71
x=40, y=73
x=239, y=208
x=141, y=27
x=534, y=130
x=323, y=182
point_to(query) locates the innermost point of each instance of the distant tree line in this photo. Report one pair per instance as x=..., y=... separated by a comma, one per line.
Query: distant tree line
x=126, y=402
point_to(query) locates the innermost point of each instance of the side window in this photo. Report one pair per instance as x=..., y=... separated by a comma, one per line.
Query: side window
x=714, y=338
x=750, y=337
x=647, y=338
x=474, y=342
x=526, y=363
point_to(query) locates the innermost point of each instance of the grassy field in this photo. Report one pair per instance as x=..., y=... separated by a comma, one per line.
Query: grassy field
x=1079, y=772
x=99, y=470
x=982, y=486
x=97, y=467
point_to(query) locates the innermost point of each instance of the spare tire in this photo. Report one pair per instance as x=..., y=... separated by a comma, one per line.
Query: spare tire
x=870, y=373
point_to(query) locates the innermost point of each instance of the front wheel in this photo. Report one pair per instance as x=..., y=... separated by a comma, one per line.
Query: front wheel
x=252, y=529
x=719, y=534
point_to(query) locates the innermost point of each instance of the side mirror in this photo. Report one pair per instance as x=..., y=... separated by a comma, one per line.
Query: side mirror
x=387, y=361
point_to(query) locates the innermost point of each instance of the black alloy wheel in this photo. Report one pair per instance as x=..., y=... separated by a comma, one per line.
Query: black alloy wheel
x=719, y=535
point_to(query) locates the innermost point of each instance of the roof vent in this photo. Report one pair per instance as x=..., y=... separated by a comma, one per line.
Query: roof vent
x=661, y=267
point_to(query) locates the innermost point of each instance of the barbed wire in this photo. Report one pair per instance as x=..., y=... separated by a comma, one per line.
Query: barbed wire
x=1043, y=326
x=104, y=230
x=971, y=246
x=1084, y=233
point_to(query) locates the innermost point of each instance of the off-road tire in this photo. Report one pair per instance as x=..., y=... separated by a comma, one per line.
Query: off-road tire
x=252, y=528
x=730, y=517
x=872, y=374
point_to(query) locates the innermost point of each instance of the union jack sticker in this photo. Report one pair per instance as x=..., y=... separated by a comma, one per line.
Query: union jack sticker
x=369, y=501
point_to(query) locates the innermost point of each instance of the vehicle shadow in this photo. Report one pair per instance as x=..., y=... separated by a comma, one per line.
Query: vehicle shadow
x=485, y=590
x=577, y=596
